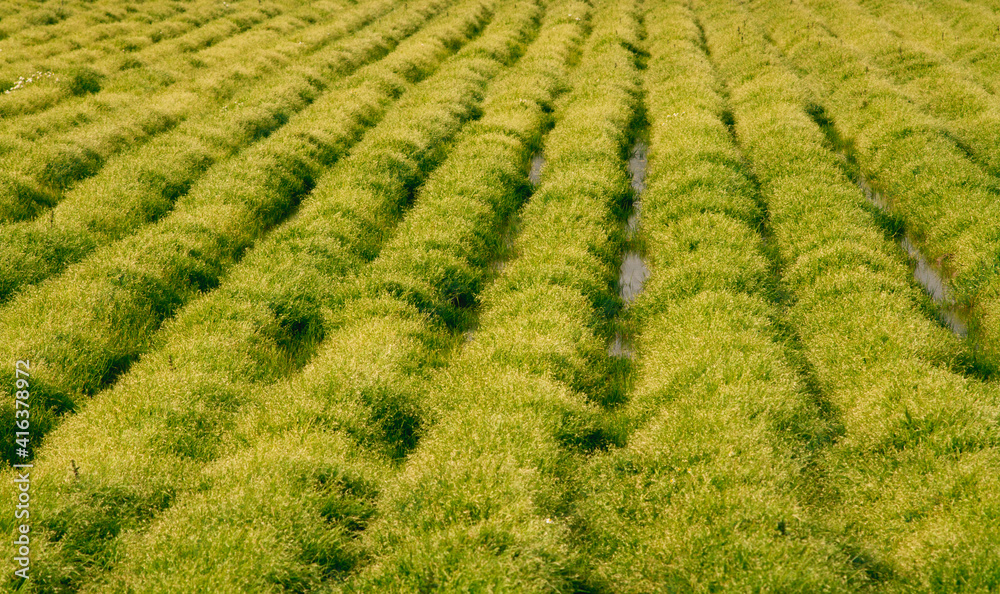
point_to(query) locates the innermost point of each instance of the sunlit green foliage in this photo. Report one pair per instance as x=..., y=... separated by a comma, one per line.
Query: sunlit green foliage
x=720, y=427
x=263, y=323
x=914, y=433
x=80, y=346
x=299, y=318
x=946, y=201
x=481, y=503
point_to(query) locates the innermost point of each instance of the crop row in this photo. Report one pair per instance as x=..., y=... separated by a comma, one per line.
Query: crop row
x=130, y=287
x=28, y=34
x=214, y=71
x=706, y=495
x=144, y=185
x=970, y=113
x=223, y=351
x=967, y=33
x=138, y=64
x=83, y=74
x=947, y=203
x=161, y=62
x=363, y=380
x=46, y=33
x=14, y=9
x=913, y=433
x=481, y=502
x=50, y=153
x=149, y=75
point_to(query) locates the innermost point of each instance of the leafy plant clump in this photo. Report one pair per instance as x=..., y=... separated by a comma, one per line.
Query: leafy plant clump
x=85, y=80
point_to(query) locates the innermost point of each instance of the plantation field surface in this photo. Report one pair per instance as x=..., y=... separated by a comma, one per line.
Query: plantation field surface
x=500, y=295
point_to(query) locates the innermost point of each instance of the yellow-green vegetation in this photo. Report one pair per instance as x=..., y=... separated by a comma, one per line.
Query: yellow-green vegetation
x=340, y=295
x=339, y=227
x=42, y=32
x=48, y=154
x=147, y=72
x=913, y=433
x=968, y=34
x=145, y=183
x=947, y=202
x=371, y=356
x=481, y=503
x=80, y=73
x=970, y=113
x=707, y=496
x=82, y=345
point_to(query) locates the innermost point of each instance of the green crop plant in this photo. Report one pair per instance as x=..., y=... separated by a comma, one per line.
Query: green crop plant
x=707, y=495
x=340, y=295
x=43, y=162
x=968, y=112
x=144, y=184
x=144, y=75
x=363, y=379
x=964, y=32
x=252, y=325
x=914, y=433
x=94, y=24
x=480, y=503
x=284, y=514
x=38, y=97
x=82, y=346
x=43, y=96
x=144, y=72
x=947, y=203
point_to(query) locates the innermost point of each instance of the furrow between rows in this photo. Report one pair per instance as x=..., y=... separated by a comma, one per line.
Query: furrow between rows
x=946, y=202
x=482, y=501
x=191, y=124
x=914, y=433
x=708, y=493
x=79, y=346
x=267, y=319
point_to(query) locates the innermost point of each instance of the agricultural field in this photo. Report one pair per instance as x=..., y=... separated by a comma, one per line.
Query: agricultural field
x=581, y=296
